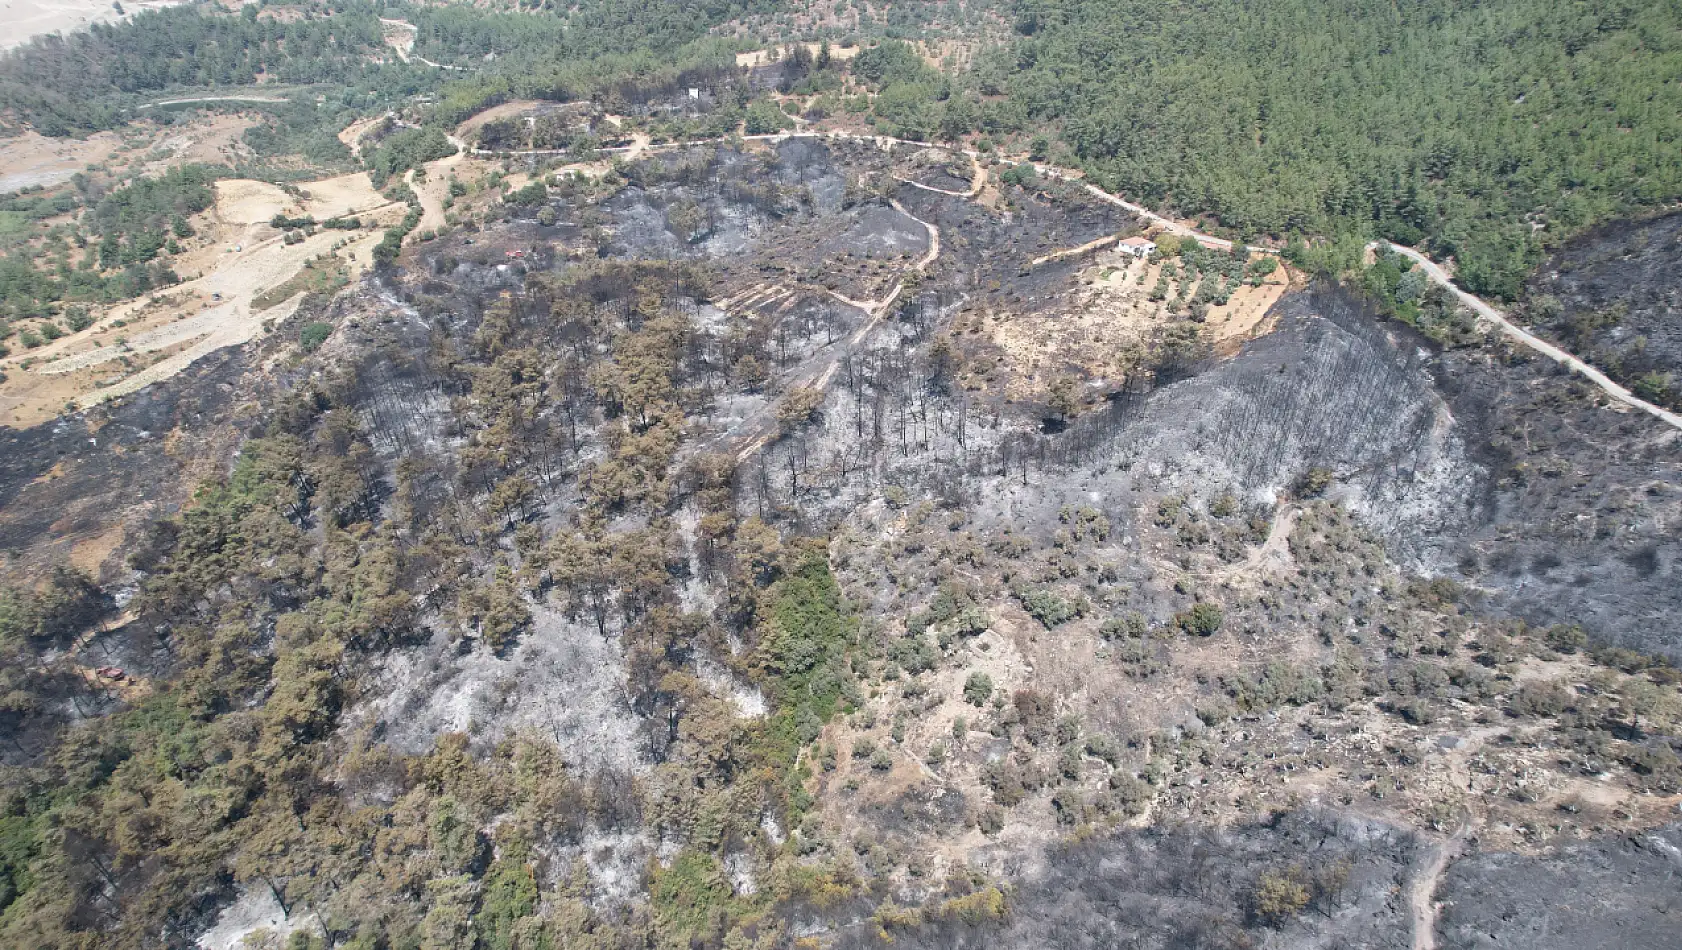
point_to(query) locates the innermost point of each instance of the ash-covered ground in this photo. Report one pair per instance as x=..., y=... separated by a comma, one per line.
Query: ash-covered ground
x=808, y=272
x=1611, y=297
x=1620, y=892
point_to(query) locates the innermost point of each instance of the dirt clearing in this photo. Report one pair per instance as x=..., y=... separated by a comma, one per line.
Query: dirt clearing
x=32, y=159
x=352, y=134
x=761, y=57
x=239, y=257
x=468, y=130
x=1112, y=317
x=400, y=36
x=29, y=18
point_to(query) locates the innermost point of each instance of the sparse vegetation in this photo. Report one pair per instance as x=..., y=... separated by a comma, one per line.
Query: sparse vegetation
x=313, y=335
x=621, y=583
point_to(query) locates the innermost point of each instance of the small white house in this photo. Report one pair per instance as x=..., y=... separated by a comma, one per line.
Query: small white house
x=1137, y=246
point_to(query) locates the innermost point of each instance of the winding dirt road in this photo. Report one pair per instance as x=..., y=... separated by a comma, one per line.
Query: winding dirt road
x=1485, y=310
x=1427, y=874
x=190, y=100
x=978, y=181
x=431, y=192
x=1432, y=269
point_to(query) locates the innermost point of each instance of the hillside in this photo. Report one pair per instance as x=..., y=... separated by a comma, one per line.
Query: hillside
x=631, y=490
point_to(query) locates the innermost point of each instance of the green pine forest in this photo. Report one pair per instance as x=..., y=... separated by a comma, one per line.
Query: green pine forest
x=1479, y=130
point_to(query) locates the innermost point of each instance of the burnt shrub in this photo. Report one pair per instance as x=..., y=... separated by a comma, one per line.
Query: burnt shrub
x=1034, y=713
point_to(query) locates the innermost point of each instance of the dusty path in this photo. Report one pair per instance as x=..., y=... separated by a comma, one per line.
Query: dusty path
x=431, y=192
x=193, y=99
x=1167, y=224
x=978, y=181
x=1270, y=557
x=241, y=259
x=1431, y=268
x=1483, y=309
x=1086, y=248
x=1427, y=873
x=400, y=36
x=886, y=141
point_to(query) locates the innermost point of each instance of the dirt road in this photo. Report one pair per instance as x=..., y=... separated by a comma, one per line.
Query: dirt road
x=1432, y=269
x=1086, y=248
x=192, y=99
x=399, y=35
x=978, y=181
x=240, y=257
x=432, y=191
x=1483, y=309
x=1427, y=873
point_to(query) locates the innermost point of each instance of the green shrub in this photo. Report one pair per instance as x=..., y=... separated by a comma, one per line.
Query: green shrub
x=1279, y=895
x=1130, y=626
x=1540, y=698
x=1048, y=607
x=1313, y=483
x=1137, y=657
x=913, y=654
x=764, y=118
x=1278, y=684
x=1129, y=795
x=1565, y=638
x=313, y=335
x=1202, y=620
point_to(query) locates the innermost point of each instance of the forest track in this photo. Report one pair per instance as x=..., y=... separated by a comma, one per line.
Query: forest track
x=432, y=191
x=401, y=37
x=1427, y=874
x=978, y=181
x=1269, y=558
x=1431, y=268
x=1484, y=309
x=192, y=99
x=1086, y=248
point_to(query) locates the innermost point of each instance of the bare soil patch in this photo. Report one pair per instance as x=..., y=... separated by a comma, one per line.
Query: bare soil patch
x=237, y=257
x=352, y=134
x=519, y=107
x=26, y=19
x=1112, y=317
x=761, y=57
x=32, y=159
x=400, y=36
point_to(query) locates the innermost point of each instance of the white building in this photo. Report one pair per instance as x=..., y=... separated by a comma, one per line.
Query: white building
x=1137, y=246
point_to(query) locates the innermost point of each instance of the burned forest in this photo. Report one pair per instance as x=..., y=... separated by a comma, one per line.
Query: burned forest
x=832, y=541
